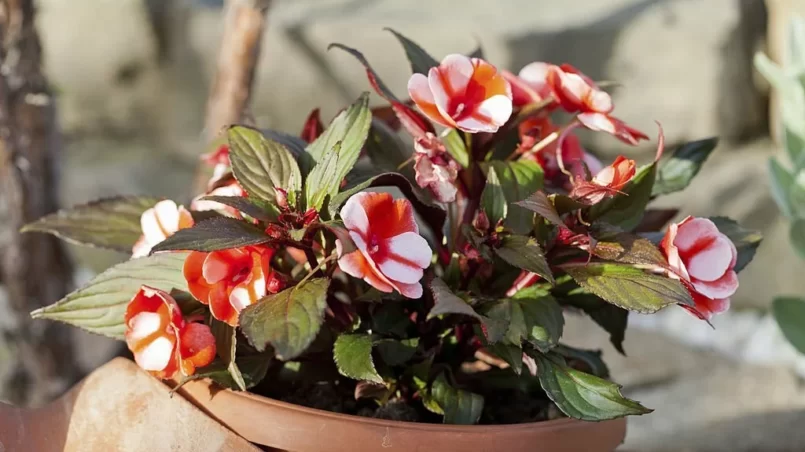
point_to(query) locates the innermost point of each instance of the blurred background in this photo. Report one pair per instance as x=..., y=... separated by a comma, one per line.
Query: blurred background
x=131, y=80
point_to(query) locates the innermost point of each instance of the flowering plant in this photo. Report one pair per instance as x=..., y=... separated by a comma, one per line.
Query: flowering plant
x=442, y=301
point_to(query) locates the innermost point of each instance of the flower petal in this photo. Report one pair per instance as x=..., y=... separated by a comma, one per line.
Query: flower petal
x=598, y=122
x=143, y=325
x=695, y=233
x=456, y=71
x=473, y=125
x=711, y=262
x=420, y=93
x=497, y=108
x=411, y=247
x=723, y=287
x=353, y=214
x=197, y=347
x=401, y=271
x=412, y=291
x=193, y=274
x=156, y=355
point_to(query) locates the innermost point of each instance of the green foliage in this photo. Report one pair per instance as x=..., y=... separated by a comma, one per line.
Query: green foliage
x=323, y=181
x=629, y=287
x=420, y=60
x=581, y=395
x=288, y=320
x=218, y=233
x=112, y=223
x=226, y=345
x=511, y=182
x=446, y=302
x=678, y=171
x=261, y=165
x=100, y=306
x=526, y=254
x=626, y=210
x=252, y=368
x=454, y=144
x=457, y=405
x=353, y=356
x=790, y=315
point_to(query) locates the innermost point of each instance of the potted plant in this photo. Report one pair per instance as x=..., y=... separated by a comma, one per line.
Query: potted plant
x=405, y=315
x=788, y=181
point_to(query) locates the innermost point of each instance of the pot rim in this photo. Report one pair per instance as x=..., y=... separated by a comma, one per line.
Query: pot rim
x=215, y=390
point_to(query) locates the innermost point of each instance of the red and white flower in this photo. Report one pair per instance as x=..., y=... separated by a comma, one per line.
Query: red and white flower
x=435, y=168
x=576, y=92
x=531, y=85
x=704, y=258
x=230, y=280
x=390, y=254
x=606, y=183
x=158, y=223
x=219, y=161
x=162, y=341
x=463, y=93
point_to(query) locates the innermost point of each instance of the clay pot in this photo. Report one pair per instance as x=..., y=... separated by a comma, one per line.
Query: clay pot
x=284, y=426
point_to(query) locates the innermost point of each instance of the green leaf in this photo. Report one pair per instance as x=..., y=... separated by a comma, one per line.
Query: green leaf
x=626, y=210
x=390, y=318
x=587, y=361
x=535, y=317
x=459, y=406
x=288, y=320
x=525, y=253
x=432, y=215
x=112, y=223
x=446, y=302
x=517, y=180
x=629, y=249
x=100, y=306
x=542, y=206
x=350, y=128
x=353, y=357
x=374, y=78
x=797, y=236
x=611, y=318
x=746, y=241
x=789, y=90
x=781, y=181
x=253, y=369
x=394, y=352
x=218, y=233
x=512, y=354
x=790, y=315
x=225, y=346
x=493, y=199
x=385, y=149
x=580, y=395
x=629, y=287
x=260, y=164
x=420, y=60
x=247, y=206
x=795, y=147
x=323, y=179
x=676, y=173
x=456, y=147
x=796, y=195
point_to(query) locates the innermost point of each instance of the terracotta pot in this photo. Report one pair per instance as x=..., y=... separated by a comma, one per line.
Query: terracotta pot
x=290, y=427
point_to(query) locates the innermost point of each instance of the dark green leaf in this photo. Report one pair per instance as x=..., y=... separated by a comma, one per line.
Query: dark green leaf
x=350, y=128
x=455, y=146
x=626, y=210
x=790, y=315
x=394, y=352
x=459, y=406
x=225, y=346
x=587, y=361
x=260, y=165
x=518, y=180
x=246, y=206
x=512, y=354
x=477, y=53
x=446, y=302
x=535, y=317
x=373, y=76
x=353, y=357
x=493, y=199
x=289, y=320
x=390, y=318
x=797, y=236
x=215, y=234
x=420, y=60
x=608, y=316
x=676, y=173
x=583, y=396
x=323, y=180
x=781, y=181
x=539, y=203
x=112, y=223
x=629, y=249
x=385, y=149
x=432, y=215
x=525, y=253
x=629, y=287
x=796, y=195
x=100, y=306
x=253, y=369
x=292, y=143
x=746, y=241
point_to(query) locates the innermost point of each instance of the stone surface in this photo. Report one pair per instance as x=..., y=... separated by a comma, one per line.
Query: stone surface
x=121, y=408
